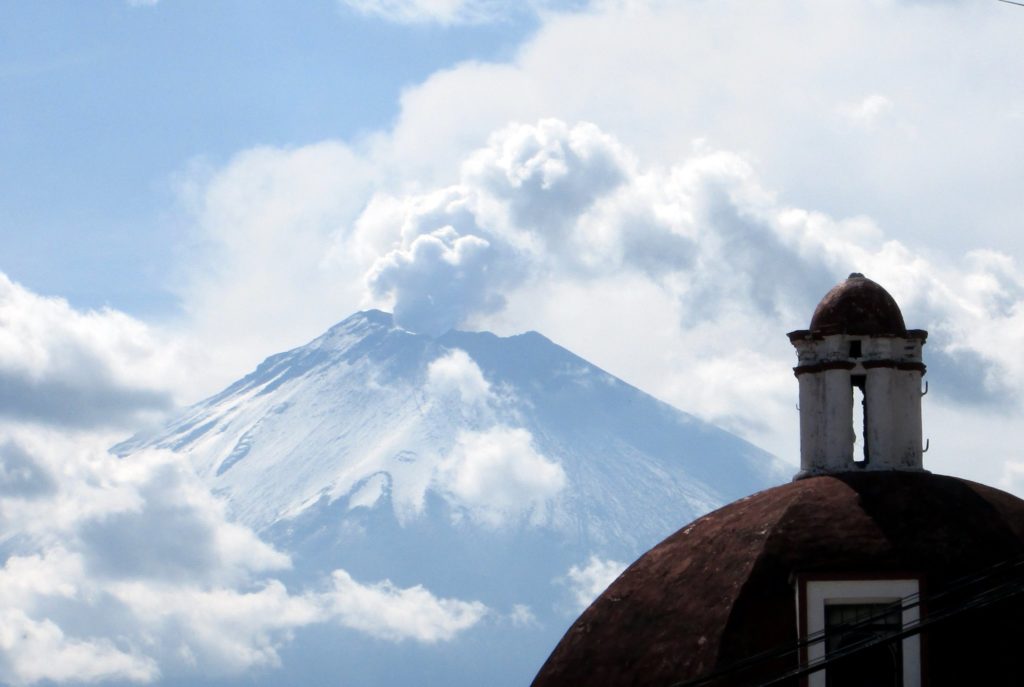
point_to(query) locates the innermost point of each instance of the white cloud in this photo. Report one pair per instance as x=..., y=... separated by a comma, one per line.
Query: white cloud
x=517, y=211
x=221, y=630
x=767, y=80
x=20, y=475
x=499, y=478
x=265, y=227
x=389, y=612
x=586, y=582
x=62, y=366
x=33, y=651
x=129, y=570
x=701, y=239
x=522, y=616
x=548, y=172
x=456, y=372
x=438, y=278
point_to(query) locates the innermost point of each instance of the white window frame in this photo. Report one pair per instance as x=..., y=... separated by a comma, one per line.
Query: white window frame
x=814, y=594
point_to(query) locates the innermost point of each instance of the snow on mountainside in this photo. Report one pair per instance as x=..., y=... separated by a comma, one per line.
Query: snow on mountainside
x=502, y=470
x=369, y=411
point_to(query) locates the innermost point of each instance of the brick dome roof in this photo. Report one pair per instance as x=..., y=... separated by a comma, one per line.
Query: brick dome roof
x=721, y=589
x=858, y=306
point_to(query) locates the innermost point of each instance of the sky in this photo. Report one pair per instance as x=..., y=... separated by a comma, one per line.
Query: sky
x=665, y=188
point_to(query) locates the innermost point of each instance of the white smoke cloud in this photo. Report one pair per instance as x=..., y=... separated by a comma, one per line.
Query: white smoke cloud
x=514, y=214
x=547, y=173
x=437, y=280
x=729, y=260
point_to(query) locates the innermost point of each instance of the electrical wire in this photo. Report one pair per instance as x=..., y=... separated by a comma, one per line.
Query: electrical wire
x=1005, y=591
x=908, y=602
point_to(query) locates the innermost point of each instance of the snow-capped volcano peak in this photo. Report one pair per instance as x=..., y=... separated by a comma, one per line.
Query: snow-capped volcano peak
x=496, y=432
x=501, y=469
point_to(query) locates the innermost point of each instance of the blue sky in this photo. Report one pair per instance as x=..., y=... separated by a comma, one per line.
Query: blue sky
x=105, y=102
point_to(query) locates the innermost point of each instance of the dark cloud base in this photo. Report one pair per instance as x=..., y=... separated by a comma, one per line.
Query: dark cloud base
x=54, y=402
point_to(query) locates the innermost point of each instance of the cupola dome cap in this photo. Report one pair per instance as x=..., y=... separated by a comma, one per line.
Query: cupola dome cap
x=858, y=306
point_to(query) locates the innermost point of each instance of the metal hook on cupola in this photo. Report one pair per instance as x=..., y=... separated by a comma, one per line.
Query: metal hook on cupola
x=925, y=392
x=927, y=445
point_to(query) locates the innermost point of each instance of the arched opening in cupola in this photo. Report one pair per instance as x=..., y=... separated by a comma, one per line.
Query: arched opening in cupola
x=861, y=449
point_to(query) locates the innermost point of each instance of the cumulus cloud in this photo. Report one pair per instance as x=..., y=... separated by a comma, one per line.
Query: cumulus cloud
x=549, y=172
x=389, y=612
x=457, y=373
x=196, y=542
x=129, y=570
x=492, y=474
x=34, y=651
x=587, y=581
x=104, y=528
x=21, y=476
x=62, y=366
x=218, y=630
x=497, y=477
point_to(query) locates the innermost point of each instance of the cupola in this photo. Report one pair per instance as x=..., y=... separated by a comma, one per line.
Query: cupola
x=859, y=370
x=871, y=571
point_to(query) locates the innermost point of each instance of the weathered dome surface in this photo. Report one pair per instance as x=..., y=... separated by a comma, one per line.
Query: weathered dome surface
x=721, y=589
x=858, y=306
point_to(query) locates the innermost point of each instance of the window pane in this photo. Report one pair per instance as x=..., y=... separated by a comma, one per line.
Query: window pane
x=851, y=625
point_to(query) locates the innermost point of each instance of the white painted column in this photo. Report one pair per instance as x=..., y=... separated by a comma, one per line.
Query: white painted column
x=812, y=425
x=894, y=418
x=838, y=421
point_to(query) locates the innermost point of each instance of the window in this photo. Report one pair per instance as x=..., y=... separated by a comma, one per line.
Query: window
x=849, y=625
x=846, y=611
